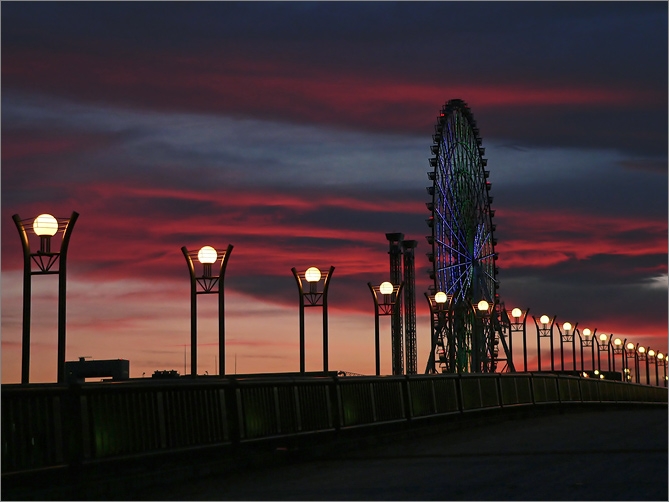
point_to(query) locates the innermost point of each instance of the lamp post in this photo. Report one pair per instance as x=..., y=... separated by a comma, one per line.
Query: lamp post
x=440, y=304
x=603, y=346
x=630, y=351
x=517, y=323
x=618, y=345
x=653, y=357
x=390, y=296
x=205, y=282
x=544, y=332
x=587, y=341
x=663, y=360
x=567, y=336
x=482, y=316
x=643, y=356
x=313, y=298
x=45, y=226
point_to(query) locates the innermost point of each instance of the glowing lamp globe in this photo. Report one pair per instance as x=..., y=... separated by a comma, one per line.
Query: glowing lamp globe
x=440, y=297
x=651, y=352
x=207, y=254
x=660, y=355
x=482, y=306
x=642, y=350
x=630, y=346
x=312, y=274
x=516, y=312
x=544, y=319
x=567, y=326
x=45, y=224
x=386, y=288
x=603, y=337
x=617, y=342
x=587, y=333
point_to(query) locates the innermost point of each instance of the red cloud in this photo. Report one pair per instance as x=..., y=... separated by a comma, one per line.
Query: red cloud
x=548, y=237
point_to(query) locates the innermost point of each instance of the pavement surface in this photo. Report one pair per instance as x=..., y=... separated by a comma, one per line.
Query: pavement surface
x=612, y=454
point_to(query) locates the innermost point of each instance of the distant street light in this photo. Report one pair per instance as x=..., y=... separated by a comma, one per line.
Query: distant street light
x=389, y=302
x=567, y=336
x=643, y=356
x=663, y=360
x=587, y=341
x=517, y=323
x=630, y=352
x=618, y=348
x=45, y=226
x=603, y=346
x=440, y=304
x=203, y=283
x=544, y=332
x=313, y=298
x=652, y=356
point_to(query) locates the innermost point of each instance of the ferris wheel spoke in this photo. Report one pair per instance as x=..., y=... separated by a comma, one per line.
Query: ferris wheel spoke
x=456, y=233
x=483, y=242
x=486, y=256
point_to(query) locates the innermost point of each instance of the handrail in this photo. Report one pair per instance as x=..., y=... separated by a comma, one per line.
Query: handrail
x=51, y=425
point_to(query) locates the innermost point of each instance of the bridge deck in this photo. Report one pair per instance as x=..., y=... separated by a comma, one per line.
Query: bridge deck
x=612, y=454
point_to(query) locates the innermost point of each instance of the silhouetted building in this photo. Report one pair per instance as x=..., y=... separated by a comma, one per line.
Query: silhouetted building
x=79, y=371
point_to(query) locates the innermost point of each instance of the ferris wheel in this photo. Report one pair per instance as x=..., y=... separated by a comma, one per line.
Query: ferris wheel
x=462, y=240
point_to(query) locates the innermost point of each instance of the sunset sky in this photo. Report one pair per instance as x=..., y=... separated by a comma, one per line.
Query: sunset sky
x=300, y=133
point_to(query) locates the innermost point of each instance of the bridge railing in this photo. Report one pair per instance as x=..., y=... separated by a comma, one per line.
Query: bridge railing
x=46, y=426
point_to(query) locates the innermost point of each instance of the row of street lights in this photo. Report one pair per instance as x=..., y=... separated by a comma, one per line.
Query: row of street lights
x=386, y=296
x=601, y=344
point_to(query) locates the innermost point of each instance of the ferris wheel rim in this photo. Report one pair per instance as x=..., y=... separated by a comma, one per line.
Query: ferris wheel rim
x=459, y=204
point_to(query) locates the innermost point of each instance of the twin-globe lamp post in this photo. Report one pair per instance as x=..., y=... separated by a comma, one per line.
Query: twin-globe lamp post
x=45, y=226
x=204, y=282
x=387, y=306
x=313, y=297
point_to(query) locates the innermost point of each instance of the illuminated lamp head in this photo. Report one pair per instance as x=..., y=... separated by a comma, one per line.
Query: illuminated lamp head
x=567, y=326
x=516, y=312
x=440, y=297
x=313, y=274
x=603, y=337
x=587, y=333
x=617, y=342
x=630, y=346
x=651, y=353
x=544, y=319
x=207, y=255
x=386, y=288
x=483, y=306
x=642, y=350
x=660, y=356
x=45, y=224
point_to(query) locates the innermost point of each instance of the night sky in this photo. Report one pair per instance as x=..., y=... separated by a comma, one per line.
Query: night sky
x=300, y=133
